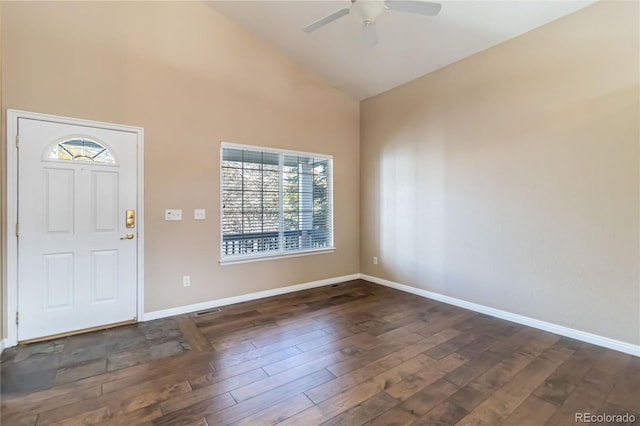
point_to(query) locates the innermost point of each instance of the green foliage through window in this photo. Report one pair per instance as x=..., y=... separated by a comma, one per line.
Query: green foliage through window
x=275, y=202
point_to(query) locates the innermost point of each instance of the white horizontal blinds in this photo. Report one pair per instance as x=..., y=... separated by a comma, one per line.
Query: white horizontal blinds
x=274, y=202
x=307, y=202
x=250, y=201
x=322, y=204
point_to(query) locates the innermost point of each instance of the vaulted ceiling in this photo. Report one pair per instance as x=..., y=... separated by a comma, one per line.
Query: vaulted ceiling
x=409, y=45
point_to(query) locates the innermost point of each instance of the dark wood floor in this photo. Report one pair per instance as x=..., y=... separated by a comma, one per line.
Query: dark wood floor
x=351, y=354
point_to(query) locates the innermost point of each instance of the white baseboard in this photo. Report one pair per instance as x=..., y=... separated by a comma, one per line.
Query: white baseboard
x=148, y=316
x=3, y=344
x=520, y=319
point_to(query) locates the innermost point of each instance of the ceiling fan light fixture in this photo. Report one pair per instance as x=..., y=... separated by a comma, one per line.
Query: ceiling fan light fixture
x=367, y=11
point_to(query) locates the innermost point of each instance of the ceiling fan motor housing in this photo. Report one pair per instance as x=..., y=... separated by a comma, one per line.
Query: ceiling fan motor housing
x=366, y=11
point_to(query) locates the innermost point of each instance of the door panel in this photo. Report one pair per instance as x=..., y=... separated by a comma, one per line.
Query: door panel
x=104, y=194
x=75, y=185
x=104, y=276
x=58, y=280
x=59, y=192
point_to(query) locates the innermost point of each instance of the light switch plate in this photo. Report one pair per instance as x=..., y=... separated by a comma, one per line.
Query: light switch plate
x=199, y=214
x=173, y=214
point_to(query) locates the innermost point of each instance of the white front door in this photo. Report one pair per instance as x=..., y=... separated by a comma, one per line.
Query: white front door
x=77, y=256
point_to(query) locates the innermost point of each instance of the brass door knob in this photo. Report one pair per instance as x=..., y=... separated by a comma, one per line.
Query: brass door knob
x=127, y=237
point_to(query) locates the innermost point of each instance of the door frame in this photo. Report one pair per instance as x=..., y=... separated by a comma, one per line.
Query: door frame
x=10, y=238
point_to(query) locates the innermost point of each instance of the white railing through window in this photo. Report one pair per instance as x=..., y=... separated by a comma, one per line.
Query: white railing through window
x=274, y=202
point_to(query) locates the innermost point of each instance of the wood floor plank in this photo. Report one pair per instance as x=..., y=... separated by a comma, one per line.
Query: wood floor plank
x=143, y=416
x=506, y=399
x=471, y=395
x=414, y=388
x=333, y=313
x=472, y=369
x=331, y=337
x=479, y=346
x=364, y=412
x=198, y=422
x=110, y=405
x=34, y=407
x=196, y=411
x=335, y=405
x=423, y=401
x=583, y=359
x=126, y=386
x=341, y=345
x=444, y=414
x=207, y=392
x=349, y=354
x=232, y=338
x=625, y=391
x=360, y=358
x=237, y=349
x=536, y=344
x=532, y=412
x=556, y=389
x=252, y=406
x=278, y=412
x=29, y=420
x=396, y=416
x=510, y=344
x=452, y=345
x=194, y=336
x=588, y=396
x=413, y=383
x=270, y=382
x=267, y=344
x=612, y=362
x=344, y=382
x=126, y=377
x=406, y=369
x=227, y=360
x=92, y=417
x=274, y=358
x=443, y=319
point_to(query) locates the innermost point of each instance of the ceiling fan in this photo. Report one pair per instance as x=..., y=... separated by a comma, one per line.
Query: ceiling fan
x=367, y=11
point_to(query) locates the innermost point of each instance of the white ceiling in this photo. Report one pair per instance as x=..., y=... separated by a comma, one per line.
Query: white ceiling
x=409, y=45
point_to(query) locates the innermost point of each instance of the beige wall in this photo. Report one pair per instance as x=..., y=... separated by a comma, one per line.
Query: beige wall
x=511, y=178
x=191, y=78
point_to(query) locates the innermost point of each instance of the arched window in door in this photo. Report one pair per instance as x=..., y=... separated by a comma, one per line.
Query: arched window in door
x=82, y=149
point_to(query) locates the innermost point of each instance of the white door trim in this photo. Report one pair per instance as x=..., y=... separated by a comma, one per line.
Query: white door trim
x=12, y=208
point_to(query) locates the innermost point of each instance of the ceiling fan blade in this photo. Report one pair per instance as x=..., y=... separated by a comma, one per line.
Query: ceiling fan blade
x=370, y=34
x=326, y=20
x=426, y=8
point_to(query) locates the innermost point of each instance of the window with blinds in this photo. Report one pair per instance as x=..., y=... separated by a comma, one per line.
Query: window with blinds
x=274, y=202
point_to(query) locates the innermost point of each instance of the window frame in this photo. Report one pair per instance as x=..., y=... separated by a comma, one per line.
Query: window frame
x=281, y=253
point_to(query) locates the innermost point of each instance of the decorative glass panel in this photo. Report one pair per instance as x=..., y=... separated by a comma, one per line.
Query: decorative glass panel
x=82, y=149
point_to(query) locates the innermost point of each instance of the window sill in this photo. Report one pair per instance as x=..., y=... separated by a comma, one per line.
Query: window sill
x=262, y=257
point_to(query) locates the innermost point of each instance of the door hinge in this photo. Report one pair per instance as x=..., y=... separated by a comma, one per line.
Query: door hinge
x=17, y=141
x=17, y=229
x=17, y=318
